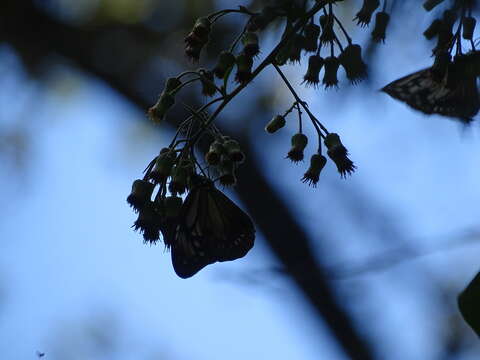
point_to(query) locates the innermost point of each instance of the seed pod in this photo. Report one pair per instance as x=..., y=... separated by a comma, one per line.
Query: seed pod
x=433, y=29
x=468, y=27
x=381, y=22
x=331, y=69
x=315, y=64
x=225, y=61
x=157, y=112
x=312, y=175
x=364, y=15
x=351, y=60
x=141, y=194
x=250, y=44
x=299, y=143
x=339, y=154
x=430, y=4
x=312, y=32
x=275, y=124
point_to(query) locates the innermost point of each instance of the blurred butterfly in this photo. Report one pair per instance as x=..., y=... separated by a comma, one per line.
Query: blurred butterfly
x=210, y=228
x=450, y=92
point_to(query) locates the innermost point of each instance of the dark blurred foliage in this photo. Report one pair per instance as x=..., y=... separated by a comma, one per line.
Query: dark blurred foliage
x=133, y=45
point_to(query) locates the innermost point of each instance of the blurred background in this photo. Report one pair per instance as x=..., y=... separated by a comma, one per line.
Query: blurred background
x=363, y=268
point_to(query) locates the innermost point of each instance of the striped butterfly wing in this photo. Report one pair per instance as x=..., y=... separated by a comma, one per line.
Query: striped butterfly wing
x=211, y=228
x=430, y=94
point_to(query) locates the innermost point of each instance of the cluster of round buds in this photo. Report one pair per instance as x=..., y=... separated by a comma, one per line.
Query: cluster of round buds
x=299, y=142
x=225, y=155
x=364, y=15
x=197, y=38
x=165, y=101
x=351, y=60
x=339, y=154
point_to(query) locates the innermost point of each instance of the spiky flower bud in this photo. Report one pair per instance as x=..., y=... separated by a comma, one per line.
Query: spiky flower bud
x=163, y=166
x=233, y=150
x=351, y=60
x=296, y=49
x=312, y=175
x=148, y=223
x=468, y=27
x=433, y=29
x=381, y=22
x=315, y=63
x=141, y=194
x=250, y=44
x=330, y=74
x=244, y=68
x=227, y=171
x=275, y=124
x=430, y=4
x=299, y=143
x=172, y=206
x=208, y=85
x=178, y=182
x=339, y=154
x=312, y=32
x=212, y=157
x=328, y=35
x=364, y=15
x=225, y=61
x=157, y=112
x=202, y=27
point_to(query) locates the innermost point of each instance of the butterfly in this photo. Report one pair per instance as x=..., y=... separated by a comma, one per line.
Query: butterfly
x=451, y=91
x=210, y=228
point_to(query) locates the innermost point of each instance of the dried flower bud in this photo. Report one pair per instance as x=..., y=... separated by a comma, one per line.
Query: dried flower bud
x=381, y=22
x=275, y=124
x=312, y=32
x=430, y=4
x=299, y=143
x=148, y=224
x=296, y=49
x=468, y=27
x=225, y=61
x=208, y=85
x=178, y=182
x=315, y=63
x=351, y=60
x=312, y=175
x=339, y=154
x=244, y=68
x=163, y=166
x=194, y=44
x=328, y=35
x=364, y=15
x=433, y=29
x=141, y=194
x=157, y=112
x=227, y=171
x=331, y=69
x=172, y=206
x=250, y=44
x=202, y=27
x=233, y=150
x=212, y=157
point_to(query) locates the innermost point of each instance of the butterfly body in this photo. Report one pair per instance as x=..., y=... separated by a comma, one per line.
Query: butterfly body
x=210, y=228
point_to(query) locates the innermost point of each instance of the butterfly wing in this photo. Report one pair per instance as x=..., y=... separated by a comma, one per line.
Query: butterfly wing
x=211, y=228
x=425, y=91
